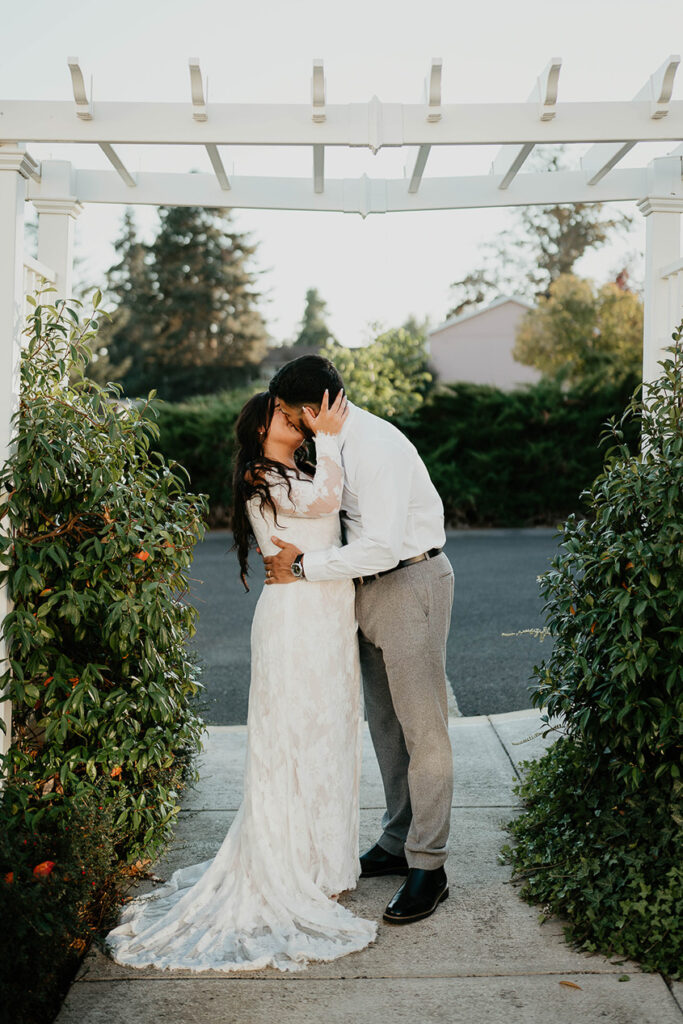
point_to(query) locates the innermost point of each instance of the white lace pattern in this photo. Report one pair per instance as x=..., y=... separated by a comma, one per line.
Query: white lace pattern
x=264, y=898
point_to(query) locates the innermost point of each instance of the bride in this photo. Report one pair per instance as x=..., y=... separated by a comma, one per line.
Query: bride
x=268, y=896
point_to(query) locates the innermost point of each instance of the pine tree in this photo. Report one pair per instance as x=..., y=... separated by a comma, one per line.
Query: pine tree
x=186, y=321
x=208, y=332
x=119, y=354
x=314, y=332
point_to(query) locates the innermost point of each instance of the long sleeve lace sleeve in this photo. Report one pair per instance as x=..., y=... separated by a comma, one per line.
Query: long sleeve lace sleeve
x=320, y=495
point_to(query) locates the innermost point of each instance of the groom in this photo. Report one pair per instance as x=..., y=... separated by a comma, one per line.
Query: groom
x=394, y=533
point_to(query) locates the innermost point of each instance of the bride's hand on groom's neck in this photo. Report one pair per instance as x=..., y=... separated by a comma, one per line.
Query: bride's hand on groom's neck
x=330, y=418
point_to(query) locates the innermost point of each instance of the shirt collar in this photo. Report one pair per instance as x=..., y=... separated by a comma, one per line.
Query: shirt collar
x=343, y=433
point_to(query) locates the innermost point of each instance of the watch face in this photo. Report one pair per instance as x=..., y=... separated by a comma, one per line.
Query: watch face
x=296, y=569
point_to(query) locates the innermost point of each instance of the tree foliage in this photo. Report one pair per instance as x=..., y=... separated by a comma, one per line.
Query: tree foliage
x=514, y=458
x=578, y=332
x=186, y=318
x=389, y=377
x=541, y=244
x=314, y=332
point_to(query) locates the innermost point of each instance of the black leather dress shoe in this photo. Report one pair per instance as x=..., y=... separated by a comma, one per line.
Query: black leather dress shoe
x=418, y=897
x=378, y=862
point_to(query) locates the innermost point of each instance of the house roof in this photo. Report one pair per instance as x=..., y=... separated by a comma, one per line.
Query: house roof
x=500, y=301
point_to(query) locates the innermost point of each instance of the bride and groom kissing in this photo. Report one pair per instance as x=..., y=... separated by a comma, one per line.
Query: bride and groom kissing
x=357, y=587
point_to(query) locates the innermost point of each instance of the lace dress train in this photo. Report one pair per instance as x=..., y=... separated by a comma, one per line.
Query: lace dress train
x=264, y=898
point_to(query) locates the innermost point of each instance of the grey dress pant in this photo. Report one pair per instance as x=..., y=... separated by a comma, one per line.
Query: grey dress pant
x=403, y=621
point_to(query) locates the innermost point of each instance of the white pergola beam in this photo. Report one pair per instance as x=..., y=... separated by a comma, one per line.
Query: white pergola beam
x=364, y=195
x=433, y=91
x=660, y=86
x=657, y=91
x=374, y=124
x=432, y=97
x=199, y=97
x=318, y=169
x=117, y=163
x=218, y=168
x=418, y=168
x=83, y=101
x=509, y=159
x=199, y=89
x=318, y=116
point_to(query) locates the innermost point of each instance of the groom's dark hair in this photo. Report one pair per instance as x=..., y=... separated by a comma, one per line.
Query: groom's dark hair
x=305, y=380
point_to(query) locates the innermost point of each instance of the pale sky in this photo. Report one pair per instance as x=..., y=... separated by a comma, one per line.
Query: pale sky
x=388, y=266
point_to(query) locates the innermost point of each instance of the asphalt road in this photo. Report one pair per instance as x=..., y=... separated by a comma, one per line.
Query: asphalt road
x=496, y=592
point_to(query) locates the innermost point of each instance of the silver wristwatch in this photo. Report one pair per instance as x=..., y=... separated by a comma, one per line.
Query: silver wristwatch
x=297, y=568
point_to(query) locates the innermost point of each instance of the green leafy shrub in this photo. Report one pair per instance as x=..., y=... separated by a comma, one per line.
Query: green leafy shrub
x=57, y=886
x=610, y=864
x=98, y=531
x=199, y=436
x=390, y=377
x=514, y=458
x=497, y=458
x=603, y=835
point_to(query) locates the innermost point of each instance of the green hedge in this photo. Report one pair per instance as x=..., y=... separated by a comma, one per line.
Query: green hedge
x=199, y=435
x=601, y=838
x=98, y=534
x=518, y=458
x=498, y=458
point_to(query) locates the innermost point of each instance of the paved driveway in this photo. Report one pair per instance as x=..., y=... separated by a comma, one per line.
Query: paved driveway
x=495, y=592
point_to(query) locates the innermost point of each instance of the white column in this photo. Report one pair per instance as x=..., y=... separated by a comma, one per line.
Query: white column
x=662, y=211
x=15, y=166
x=58, y=209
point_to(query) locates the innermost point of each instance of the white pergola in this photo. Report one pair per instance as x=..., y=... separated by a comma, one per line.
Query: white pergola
x=58, y=190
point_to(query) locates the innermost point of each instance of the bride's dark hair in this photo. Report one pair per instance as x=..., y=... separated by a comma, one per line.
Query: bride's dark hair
x=250, y=465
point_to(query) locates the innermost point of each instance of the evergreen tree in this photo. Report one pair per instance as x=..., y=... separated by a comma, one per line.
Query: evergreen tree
x=186, y=321
x=208, y=334
x=314, y=331
x=119, y=352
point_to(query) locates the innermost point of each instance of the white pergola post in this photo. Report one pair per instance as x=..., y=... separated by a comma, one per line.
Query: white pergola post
x=662, y=210
x=15, y=167
x=57, y=206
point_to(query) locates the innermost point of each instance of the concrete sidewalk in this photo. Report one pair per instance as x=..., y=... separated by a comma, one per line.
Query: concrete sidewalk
x=482, y=957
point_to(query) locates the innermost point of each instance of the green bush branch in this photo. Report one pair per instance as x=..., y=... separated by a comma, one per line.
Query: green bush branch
x=98, y=531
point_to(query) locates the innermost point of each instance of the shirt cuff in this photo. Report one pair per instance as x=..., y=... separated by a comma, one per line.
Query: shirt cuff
x=314, y=563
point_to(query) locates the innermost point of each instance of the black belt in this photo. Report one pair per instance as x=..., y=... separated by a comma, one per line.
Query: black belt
x=432, y=553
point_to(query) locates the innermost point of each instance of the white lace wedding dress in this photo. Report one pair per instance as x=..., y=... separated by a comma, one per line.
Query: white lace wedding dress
x=264, y=898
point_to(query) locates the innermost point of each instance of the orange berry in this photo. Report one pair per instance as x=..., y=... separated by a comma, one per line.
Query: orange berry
x=142, y=555
x=629, y=565
x=9, y=877
x=43, y=869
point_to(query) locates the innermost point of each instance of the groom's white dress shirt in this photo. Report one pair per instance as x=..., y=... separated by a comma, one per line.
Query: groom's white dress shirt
x=392, y=509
